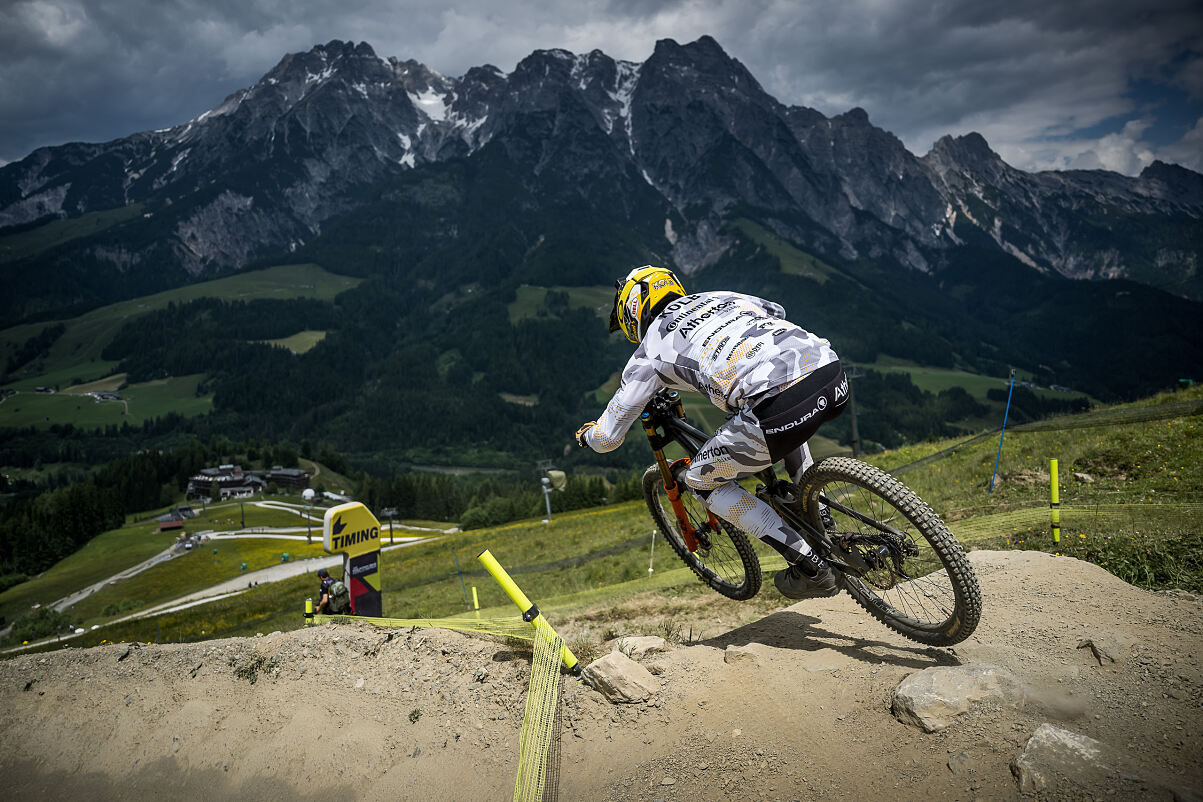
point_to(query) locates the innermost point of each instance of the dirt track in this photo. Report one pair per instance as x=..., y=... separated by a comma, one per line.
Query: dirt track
x=329, y=713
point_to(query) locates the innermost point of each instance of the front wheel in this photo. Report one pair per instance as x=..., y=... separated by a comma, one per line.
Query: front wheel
x=724, y=559
x=920, y=584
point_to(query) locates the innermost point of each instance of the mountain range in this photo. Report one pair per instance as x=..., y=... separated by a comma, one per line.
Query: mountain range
x=446, y=192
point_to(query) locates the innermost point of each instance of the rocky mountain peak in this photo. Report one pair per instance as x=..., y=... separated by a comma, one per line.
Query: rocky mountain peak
x=1183, y=186
x=702, y=62
x=854, y=116
x=969, y=155
x=968, y=151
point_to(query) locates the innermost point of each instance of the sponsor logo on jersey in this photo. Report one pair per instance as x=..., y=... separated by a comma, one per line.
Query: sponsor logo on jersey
x=692, y=323
x=841, y=389
x=712, y=452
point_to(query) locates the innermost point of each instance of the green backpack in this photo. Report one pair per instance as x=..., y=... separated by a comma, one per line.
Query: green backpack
x=340, y=597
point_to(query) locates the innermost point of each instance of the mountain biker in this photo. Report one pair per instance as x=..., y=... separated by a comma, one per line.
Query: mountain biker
x=776, y=381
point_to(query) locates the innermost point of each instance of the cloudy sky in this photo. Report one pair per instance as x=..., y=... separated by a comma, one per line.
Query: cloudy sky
x=1050, y=83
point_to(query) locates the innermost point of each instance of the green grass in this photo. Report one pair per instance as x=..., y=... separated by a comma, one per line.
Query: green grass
x=300, y=342
x=933, y=380
x=321, y=475
x=1148, y=462
x=189, y=572
x=100, y=558
x=793, y=261
x=75, y=358
x=418, y=581
x=530, y=300
x=140, y=402
x=57, y=232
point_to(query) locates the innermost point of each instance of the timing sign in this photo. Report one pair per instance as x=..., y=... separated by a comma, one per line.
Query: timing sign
x=352, y=530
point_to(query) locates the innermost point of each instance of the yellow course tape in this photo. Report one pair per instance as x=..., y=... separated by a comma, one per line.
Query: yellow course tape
x=539, y=748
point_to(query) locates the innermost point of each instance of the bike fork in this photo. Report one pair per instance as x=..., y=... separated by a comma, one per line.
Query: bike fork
x=674, y=490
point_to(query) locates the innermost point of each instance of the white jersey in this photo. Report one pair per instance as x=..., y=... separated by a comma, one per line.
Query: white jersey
x=730, y=347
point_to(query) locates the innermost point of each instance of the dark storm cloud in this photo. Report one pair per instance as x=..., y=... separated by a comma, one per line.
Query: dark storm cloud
x=1050, y=84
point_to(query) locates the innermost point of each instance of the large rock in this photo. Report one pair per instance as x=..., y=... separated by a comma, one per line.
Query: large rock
x=933, y=698
x=1052, y=755
x=1064, y=762
x=640, y=646
x=748, y=655
x=620, y=679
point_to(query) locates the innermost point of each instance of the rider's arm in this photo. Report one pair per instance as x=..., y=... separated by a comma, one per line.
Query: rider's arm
x=639, y=384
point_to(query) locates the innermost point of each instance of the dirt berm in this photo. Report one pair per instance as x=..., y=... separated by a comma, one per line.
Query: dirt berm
x=354, y=712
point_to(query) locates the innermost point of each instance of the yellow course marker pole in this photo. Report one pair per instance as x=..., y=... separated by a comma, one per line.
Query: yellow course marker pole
x=530, y=611
x=1055, y=504
x=475, y=602
x=309, y=612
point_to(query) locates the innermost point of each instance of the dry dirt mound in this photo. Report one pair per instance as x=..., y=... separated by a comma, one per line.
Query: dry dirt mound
x=429, y=714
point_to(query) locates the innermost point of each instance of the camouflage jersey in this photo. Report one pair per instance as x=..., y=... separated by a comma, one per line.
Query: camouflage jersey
x=733, y=348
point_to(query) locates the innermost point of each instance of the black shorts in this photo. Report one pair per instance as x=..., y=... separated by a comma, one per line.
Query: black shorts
x=790, y=418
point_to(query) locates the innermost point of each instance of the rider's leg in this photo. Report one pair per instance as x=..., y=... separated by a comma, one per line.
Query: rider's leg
x=737, y=450
x=798, y=461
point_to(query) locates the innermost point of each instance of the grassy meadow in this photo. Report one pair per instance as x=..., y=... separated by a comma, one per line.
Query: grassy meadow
x=139, y=403
x=530, y=300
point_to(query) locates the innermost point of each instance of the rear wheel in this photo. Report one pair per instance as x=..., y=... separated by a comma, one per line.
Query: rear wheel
x=724, y=559
x=922, y=585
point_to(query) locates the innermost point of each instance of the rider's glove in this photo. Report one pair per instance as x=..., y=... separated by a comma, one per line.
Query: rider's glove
x=581, y=432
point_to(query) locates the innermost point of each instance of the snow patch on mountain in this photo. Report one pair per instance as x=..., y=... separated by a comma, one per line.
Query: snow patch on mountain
x=432, y=103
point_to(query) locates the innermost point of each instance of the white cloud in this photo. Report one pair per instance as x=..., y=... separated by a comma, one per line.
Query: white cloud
x=1188, y=151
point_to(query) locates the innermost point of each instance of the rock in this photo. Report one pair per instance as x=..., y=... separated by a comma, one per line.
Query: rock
x=1084, y=477
x=737, y=655
x=1108, y=647
x=1053, y=754
x=933, y=698
x=640, y=646
x=959, y=763
x=1054, y=758
x=620, y=679
x=669, y=780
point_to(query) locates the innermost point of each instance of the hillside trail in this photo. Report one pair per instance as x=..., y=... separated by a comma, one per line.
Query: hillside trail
x=360, y=712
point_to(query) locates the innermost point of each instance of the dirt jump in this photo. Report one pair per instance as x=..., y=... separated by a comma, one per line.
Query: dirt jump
x=1075, y=685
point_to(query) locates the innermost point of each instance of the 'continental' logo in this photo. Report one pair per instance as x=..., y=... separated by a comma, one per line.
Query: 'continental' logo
x=351, y=529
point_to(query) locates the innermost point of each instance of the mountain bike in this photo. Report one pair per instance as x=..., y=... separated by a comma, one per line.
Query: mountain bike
x=894, y=555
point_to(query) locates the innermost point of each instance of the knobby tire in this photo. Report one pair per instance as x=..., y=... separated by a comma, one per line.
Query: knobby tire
x=940, y=604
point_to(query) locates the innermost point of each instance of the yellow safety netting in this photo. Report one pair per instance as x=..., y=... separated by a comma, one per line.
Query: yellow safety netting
x=539, y=747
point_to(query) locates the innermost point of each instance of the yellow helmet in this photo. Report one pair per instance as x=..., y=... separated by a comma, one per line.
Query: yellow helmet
x=640, y=297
